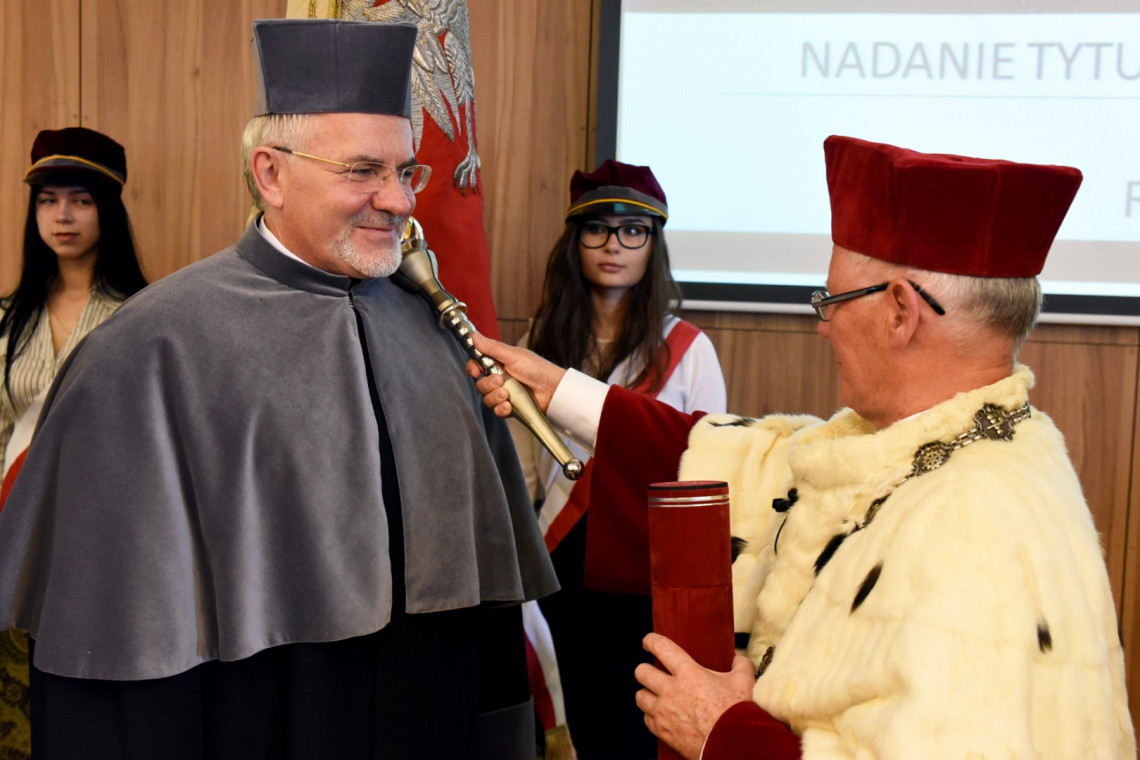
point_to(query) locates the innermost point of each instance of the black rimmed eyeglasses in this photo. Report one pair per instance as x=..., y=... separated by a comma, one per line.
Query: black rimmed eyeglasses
x=596, y=234
x=822, y=301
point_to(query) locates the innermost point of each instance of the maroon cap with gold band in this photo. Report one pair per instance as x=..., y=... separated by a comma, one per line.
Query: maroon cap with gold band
x=76, y=153
x=945, y=213
x=616, y=188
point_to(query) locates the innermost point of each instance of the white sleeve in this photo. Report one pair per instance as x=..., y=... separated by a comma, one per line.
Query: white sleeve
x=576, y=407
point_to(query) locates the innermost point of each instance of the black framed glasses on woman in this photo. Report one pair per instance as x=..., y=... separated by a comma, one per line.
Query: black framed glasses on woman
x=631, y=235
x=822, y=301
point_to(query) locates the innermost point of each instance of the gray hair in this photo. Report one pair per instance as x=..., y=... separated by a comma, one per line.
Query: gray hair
x=290, y=130
x=1009, y=305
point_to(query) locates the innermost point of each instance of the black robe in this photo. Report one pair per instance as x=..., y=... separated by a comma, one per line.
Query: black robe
x=208, y=482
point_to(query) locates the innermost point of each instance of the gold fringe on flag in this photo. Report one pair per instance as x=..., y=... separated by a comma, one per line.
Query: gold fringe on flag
x=314, y=8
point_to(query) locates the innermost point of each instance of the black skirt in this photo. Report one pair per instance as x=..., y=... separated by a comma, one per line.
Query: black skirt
x=597, y=641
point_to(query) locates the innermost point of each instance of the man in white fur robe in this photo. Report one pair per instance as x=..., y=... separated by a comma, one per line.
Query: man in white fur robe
x=922, y=577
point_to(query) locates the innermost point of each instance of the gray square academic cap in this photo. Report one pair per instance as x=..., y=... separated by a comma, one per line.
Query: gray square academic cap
x=330, y=66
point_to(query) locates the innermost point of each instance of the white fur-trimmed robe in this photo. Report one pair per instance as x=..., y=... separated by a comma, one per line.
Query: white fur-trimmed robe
x=972, y=618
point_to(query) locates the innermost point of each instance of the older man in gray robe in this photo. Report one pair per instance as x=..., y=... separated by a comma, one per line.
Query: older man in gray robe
x=265, y=515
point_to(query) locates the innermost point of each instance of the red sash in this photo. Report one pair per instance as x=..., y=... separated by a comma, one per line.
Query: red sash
x=543, y=702
x=678, y=340
x=10, y=477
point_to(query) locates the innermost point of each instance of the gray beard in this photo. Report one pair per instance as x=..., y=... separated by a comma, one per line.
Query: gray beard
x=373, y=264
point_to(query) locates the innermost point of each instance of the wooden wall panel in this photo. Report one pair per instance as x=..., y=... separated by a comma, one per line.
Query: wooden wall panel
x=173, y=82
x=772, y=363
x=1130, y=614
x=532, y=74
x=512, y=330
x=39, y=89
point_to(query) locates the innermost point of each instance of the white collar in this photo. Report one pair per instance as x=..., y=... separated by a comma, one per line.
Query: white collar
x=273, y=241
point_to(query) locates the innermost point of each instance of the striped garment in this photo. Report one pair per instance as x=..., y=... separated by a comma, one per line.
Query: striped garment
x=36, y=366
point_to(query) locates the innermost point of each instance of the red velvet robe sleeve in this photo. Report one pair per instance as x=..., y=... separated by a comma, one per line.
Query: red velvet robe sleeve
x=747, y=732
x=640, y=441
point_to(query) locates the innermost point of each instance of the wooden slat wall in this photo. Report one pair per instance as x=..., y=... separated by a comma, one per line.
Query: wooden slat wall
x=532, y=84
x=1130, y=617
x=39, y=89
x=173, y=83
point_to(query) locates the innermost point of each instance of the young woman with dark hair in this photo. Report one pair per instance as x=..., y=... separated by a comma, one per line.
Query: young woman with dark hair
x=79, y=265
x=608, y=309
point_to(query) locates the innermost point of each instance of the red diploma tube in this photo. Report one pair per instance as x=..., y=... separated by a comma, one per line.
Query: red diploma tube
x=690, y=566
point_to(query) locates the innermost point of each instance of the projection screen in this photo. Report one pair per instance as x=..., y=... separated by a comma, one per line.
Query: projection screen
x=729, y=102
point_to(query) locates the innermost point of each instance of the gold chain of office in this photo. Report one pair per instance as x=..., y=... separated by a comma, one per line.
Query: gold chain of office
x=991, y=423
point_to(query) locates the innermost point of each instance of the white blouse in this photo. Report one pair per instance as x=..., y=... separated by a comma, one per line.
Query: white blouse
x=697, y=384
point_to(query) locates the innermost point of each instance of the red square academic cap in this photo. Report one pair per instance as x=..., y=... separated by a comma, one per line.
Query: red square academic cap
x=945, y=213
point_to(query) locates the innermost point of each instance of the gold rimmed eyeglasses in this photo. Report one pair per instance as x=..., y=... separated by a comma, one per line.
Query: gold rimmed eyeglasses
x=373, y=175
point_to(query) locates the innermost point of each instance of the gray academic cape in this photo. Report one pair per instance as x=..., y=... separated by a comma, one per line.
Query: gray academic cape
x=205, y=482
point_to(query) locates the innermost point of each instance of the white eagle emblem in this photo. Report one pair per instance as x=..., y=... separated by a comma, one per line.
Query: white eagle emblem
x=442, y=77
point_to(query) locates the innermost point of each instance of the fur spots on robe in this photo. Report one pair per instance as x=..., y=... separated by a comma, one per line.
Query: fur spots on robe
x=971, y=618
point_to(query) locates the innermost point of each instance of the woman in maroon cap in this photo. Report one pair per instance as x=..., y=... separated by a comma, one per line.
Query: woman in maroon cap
x=608, y=309
x=79, y=264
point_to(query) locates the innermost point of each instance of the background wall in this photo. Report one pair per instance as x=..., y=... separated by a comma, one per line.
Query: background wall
x=173, y=83
x=170, y=81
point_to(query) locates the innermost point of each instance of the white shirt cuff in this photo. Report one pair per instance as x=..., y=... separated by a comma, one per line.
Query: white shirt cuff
x=576, y=407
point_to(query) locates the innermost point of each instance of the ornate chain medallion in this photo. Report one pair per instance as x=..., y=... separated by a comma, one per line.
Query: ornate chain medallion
x=990, y=423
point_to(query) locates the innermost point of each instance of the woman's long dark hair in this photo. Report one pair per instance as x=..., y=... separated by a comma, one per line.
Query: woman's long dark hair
x=117, y=269
x=563, y=327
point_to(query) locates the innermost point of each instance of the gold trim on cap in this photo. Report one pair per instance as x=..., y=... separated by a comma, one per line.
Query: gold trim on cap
x=77, y=159
x=575, y=209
